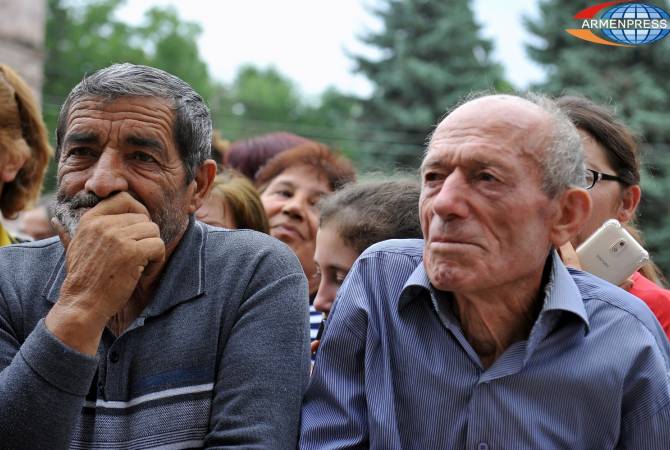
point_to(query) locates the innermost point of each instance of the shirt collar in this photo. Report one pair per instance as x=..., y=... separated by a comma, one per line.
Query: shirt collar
x=561, y=292
x=183, y=277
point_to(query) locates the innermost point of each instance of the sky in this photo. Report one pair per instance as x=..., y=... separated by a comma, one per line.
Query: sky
x=309, y=40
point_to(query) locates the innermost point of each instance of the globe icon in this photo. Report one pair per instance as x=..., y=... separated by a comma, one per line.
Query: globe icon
x=636, y=11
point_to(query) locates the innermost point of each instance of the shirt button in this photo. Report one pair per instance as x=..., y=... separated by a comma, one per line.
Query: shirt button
x=114, y=357
x=483, y=446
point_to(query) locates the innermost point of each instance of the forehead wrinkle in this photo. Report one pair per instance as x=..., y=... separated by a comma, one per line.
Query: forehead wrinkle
x=159, y=113
x=527, y=136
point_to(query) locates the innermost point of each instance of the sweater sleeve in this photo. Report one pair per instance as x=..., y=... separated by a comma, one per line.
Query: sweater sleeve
x=264, y=368
x=43, y=384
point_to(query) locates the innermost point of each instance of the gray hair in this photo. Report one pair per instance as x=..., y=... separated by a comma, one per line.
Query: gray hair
x=563, y=160
x=562, y=163
x=192, y=128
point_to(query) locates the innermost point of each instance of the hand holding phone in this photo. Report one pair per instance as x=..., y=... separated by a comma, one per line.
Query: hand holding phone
x=611, y=253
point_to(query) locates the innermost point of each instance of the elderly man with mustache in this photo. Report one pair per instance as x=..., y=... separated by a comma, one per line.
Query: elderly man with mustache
x=141, y=327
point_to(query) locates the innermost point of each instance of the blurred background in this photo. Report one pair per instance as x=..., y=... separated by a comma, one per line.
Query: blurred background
x=369, y=77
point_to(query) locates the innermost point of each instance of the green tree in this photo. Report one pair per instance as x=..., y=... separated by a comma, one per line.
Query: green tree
x=431, y=54
x=262, y=100
x=83, y=36
x=634, y=80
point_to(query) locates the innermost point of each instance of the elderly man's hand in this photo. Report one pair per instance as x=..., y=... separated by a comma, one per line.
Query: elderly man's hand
x=114, y=243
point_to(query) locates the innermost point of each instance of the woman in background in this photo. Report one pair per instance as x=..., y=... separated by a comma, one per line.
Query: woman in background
x=613, y=180
x=24, y=148
x=233, y=203
x=291, y=185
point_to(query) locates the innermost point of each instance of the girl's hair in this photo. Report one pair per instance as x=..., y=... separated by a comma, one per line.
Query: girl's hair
x=22, y=131
x=366, y=213
x=241, y=200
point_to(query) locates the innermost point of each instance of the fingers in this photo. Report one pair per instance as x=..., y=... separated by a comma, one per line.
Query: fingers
x=141, y=230
x=62, y=233
x=627, y=284
x=569, y=256
x=120, y=203
x=314, y=346
x=153, y=249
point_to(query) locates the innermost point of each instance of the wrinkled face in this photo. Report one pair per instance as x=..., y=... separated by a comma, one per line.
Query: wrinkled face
x=606, y=195
x=290, y=202
x=215, y=211
x=485, y=219
x=333, y=260
x=123, y=145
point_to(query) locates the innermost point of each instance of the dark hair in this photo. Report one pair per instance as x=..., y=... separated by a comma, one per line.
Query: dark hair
x=616, y=138
x=336, y=168
x=241, y=200
x=366, y=213
x=192, y=126
x=248, y=155
x=24, y=131
x=621, y=151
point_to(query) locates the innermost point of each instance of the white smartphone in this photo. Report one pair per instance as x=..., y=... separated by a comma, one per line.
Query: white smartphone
x=611, y=253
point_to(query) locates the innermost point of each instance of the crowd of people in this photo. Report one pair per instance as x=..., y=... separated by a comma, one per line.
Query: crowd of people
x=182, y=291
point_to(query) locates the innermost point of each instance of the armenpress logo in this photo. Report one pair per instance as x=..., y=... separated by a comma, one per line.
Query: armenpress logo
x=622, y=23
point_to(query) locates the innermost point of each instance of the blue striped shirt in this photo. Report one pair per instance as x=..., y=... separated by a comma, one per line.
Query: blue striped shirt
x=395, y=371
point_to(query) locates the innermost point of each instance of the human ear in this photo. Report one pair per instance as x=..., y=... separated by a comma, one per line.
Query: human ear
x=573, y=212
x=202, y=183
x=630, y=199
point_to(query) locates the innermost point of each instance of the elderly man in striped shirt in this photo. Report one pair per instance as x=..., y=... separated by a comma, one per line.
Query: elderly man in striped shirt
x=478, y=336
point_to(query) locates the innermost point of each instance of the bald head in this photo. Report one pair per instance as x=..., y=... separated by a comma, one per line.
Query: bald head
x=532, y=124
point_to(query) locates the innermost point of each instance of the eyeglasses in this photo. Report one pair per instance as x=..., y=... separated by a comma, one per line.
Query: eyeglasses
x=592, y=177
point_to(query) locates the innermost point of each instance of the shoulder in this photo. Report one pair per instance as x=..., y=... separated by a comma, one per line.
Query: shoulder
x=378, y=276
x=398, y=249
x=617, y=312
x=33, y=256
x=248, y=248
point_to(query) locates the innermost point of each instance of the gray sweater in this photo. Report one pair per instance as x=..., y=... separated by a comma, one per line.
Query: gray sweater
x=219, y=358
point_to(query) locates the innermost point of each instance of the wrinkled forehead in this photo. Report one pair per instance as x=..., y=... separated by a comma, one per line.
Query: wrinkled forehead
x=495, y=124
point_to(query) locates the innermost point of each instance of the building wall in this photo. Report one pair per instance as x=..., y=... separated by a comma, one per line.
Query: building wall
x=22, y=28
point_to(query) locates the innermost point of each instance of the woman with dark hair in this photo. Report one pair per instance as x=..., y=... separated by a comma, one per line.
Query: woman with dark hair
x=613, y=180
x=353, y=219
x=291, y=185
x=24, y=147
x=248, y=155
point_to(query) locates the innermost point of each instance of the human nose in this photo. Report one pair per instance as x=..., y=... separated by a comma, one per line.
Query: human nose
x=325, y=296
x=108, y=176
x=451, y=201
x=296, y=207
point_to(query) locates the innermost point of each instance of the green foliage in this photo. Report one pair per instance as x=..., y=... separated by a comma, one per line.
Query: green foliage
x=430, y=56
x=263, y=100
x=633, y=80
x=83, y=36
